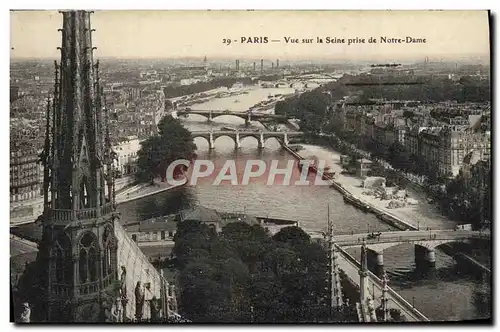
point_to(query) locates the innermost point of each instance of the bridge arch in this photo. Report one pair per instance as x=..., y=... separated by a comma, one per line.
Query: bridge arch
x=244, y=137
x=434, y=244
x=216, y=137
x=276, y=137
x=234, y=116
x=203, y=137
x=205, y=116
x=194, y=116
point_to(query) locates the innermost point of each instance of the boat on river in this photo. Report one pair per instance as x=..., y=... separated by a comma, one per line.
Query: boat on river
x=312, y=166
x=296, y=147
x=327, y=173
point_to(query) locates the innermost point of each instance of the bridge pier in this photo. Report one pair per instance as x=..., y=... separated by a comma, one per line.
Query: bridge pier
x=261, y=141
x=379, y=267
x=285, y=139
x=211, y=143
x=210, y=118
x=248, y=119
x=430, y=257
x=375, y=262
x=237, y=143
x=425, y=257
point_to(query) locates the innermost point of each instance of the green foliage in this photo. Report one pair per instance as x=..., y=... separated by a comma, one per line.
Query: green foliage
x=431, y=89
x=157, y=152
x=310, y=107
x=244, y=275
x=294, y=236
x=469, y=201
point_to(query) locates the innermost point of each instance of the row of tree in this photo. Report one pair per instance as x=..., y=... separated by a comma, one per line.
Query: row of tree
x=245, y=275
x=425, y=89
x=467, y=200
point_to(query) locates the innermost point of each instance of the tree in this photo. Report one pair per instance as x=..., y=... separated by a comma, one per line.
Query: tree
x=149, y=159
x=293, y=235
x=244, y=275
x=173, y=142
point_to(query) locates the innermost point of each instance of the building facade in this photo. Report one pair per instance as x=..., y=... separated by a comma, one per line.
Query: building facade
x=26, y=173
x=126, y=155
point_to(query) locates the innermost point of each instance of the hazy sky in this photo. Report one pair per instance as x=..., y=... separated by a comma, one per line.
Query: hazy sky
x=173, y=34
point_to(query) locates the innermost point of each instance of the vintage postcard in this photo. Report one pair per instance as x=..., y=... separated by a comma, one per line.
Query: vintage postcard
x=250, y=166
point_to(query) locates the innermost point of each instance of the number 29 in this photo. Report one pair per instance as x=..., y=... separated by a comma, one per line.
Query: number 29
x=226, y=41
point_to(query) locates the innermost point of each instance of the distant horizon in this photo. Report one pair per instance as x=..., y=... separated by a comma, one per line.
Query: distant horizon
x=462, y=58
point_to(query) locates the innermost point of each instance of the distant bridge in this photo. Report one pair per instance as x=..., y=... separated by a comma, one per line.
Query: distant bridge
x=247, y=116
x=238, y=136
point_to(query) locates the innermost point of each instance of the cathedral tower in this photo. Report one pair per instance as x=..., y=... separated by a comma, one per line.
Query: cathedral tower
x=79, y=241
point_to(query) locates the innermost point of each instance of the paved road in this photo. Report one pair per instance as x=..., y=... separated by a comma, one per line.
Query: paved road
x=406, y=236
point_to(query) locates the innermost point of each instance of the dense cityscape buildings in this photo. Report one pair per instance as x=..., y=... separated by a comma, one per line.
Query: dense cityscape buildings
x=441, y=145
x=94, y=240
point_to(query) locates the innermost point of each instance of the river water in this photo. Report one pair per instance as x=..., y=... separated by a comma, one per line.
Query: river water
x=445, y=294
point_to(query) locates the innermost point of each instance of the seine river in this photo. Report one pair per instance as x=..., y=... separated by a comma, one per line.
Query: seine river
x=445, y=294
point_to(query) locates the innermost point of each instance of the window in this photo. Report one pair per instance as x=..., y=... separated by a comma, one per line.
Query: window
x=109, y=252
x=163, y=235
x=88, y=259
x=62, y=259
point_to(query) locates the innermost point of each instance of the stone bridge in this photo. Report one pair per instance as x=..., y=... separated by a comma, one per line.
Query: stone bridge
x=247, y=116
x=425, y=243
x=238, y=136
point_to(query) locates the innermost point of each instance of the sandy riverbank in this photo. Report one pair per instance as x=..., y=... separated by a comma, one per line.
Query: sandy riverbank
x=422, y=215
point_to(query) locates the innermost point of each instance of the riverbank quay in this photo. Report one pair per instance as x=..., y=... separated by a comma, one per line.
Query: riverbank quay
x=407, y=218
x=146, y=189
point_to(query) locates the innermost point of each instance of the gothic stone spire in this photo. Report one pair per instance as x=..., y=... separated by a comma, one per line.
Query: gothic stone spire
x=79, y=239
x=79, y=125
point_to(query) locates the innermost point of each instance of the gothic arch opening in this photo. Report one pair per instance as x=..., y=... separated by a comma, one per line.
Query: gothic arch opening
x=109, y=253
x=84, y=199
x=63, y=264
x=88, y=258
